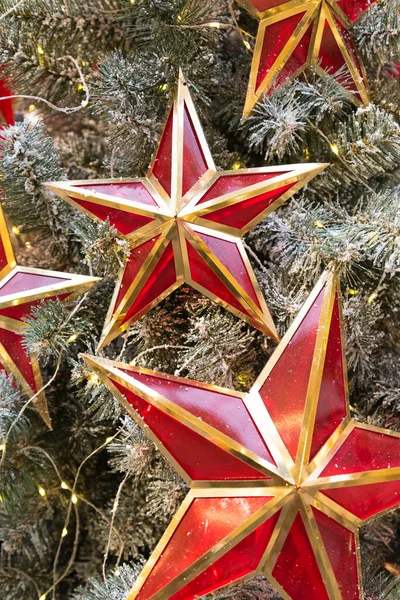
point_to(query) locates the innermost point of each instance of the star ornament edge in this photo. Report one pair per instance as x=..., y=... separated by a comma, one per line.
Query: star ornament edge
x=186, y=206
x=73, y=285
x=296, y=493
x=316, y=13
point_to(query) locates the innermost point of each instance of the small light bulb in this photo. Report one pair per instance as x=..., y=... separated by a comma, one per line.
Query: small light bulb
x=246, y=44
x=64, y=485
x=236, y=166
x=335, y=149
x=84, y=63
x=31, y=107
x=319, y=225
x=42, y=597
x=214, y=24
x=15, y=230
x=64, y=532
x=28, y=245
x=42, y=491
x=40, y=49
x=80, y=87
x=2, y=446
x=372, y=297
x=117, y=572
x=352, y=292
x=84, y=103
x=72, y=338
x=109, y=439
x=74, y=499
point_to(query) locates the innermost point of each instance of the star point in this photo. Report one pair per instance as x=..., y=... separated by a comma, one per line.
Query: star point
x=280, y=477
x=21, y=289
x=184, y=222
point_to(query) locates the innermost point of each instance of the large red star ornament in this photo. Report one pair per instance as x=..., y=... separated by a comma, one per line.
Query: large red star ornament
x=185, y=221
x=298, y=34
x=21, y=289
x=280, y=478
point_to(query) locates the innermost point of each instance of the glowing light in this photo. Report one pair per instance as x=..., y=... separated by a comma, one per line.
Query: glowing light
x=84, y=103
x=15, y=230
x=72, y=338
x=179, y=18
x=84, y=63
x=372, y=297
x=64, y=486
x=163, y=87
x=246, y=44
x=117, y=572
x=28, y=245
x=74, y=499
x=42, y=597
x=352, y=292
x=214, y=24
x=236, y=166
x=40, y=49
x=31, y=107
x=93, y=379
x=42, y=491
x=80, y=87
x=109, y=439
x=319, y=225
x=307, y=153
x=64, y=532
x=335, y=149
x=2, y=446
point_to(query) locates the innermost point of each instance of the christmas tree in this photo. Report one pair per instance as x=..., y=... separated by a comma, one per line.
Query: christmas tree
x=85, y=493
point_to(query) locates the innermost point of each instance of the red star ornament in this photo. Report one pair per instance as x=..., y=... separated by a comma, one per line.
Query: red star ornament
x=298, y=34
x=21, y=289
x=185, y=221
x=280, y=478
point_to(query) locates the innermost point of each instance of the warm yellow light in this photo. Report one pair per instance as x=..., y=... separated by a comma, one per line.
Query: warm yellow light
x=319, y=225
x=372, y=297
x=42, y=597
x=80, y=87
x=236, y=166
x=163, y=87
x=247, y=45
x=84, y=63
x=15, y=230
x=28, y=245
x=335, y=149
x=307, y=153
x=109, y=439
x=2, y=446
x=42, y=491
x=117, y=572
x=64, y=532
x=31, y=107
x=72, y=338
x=64, y=485
x=214, y=24
x=352, y=292
x=40, y=49
x=84, y=103
x=74, y=499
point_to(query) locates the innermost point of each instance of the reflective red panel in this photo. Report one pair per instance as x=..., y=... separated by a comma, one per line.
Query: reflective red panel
x=132, y=190
x=22, y=282
x=366, y=501
x=194, y=164
x=161, y=279
x=125, y=222
x=239, y=215
x=226, y=413
x=6, y=106
x=340, y=546
x=265, y=4
x=12, y=344
x=200, y=458
x=227, y=184
x=206, y=522
x=202, y=274
x=242, y=560
x=284, y=392
x=354, y=8
x=135, y=262
x=296, y=569
x=365, y=450
x=162, y=168
x=296, y=61
x=19, y=311
x=3, y=257
x=332, y=398
x=276, y=36
x=228, y=253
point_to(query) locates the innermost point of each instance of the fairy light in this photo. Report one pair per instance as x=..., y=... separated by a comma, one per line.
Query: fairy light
x=42, y=491
x=80, y=87
x=236, y=166
x=39, y=49
x=163, y=87
x=64, y=532
x=335, y=149
x=306, y=153
x=64, y=486
x=84, y=63
x=109, y=439
x=74, y=499
x=117, y=572
x=31, y=107
x=246, y=44
x=352, y=292
x=372, y=297
x=28, y=245
x=319, y=225
x=214, y=24
x=84, y=103
x=2, y=446
x=72, y=338
x=42, y=597
x=15, y=230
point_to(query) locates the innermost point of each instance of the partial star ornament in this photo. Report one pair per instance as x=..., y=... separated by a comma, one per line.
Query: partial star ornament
x=21, y=289
x=280, y=478
x=295, y=35
x=185, y=221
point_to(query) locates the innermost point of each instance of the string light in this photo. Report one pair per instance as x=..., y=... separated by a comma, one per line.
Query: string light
x=64, y=486
x=306, y=153
x=246, y=44
x=84, y=103
x=42, y=597
x=372, y=297
x=74, y=499
x=2, y=446
x=15, y=230
x=214, y=24
x=109, y=439
x=31, y=107
x=40, y=49
x=64, y=532
x=80, y=87
x=352, y=292
x=72, y=338
x=84, y=63
x=236, y=166
x=117, y=572
x=335, y=149
x=42, y=491
x=319, y=225
x=28, y=245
